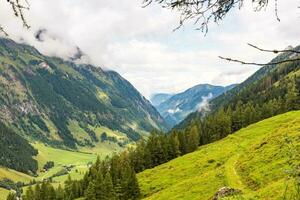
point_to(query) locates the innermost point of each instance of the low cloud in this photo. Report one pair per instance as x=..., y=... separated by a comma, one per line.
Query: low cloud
x=203, y=106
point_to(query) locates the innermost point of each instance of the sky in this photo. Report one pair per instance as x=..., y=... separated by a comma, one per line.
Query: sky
x=140, y=44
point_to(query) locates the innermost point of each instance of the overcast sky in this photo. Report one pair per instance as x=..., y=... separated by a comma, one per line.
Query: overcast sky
x=139, y=42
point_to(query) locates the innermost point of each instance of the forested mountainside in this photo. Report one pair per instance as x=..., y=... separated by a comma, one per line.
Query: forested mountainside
x=176, y=107
x=273, y=89
x=15, y=152
x=67, y=104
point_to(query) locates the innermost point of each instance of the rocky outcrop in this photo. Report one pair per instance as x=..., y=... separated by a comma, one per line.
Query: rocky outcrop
x=226, y=192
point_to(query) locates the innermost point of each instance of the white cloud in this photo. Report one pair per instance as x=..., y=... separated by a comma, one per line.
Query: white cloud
x=139, y=42
x=203, y=106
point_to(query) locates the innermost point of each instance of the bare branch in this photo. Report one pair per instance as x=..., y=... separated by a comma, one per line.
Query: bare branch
x=3, y=31
x=18, y=11
x=275, y=51
x=259, y=64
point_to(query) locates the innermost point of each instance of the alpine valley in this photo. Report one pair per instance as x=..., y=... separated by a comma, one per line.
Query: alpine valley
x=65, y=105
x=72, y=131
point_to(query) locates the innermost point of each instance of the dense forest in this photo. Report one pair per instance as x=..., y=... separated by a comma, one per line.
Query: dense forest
x=111, y=179
x=15, y=152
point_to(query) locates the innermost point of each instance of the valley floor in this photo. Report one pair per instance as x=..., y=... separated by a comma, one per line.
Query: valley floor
x=254, y=160
x=62, y=159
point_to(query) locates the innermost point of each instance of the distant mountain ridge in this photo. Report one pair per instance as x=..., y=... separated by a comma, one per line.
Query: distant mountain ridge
x=63, y=103
x=176, y=107
x=270, y=82
x=159, y=98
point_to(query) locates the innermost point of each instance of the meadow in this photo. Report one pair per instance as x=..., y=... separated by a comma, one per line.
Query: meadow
x=255, y=160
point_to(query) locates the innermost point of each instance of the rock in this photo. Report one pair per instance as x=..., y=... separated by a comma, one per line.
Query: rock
x=225, y=192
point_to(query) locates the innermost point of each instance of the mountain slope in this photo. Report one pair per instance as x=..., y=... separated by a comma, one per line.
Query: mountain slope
x=63, y=103
x=255, y=160
x=175, y=108
x=272, y=84
x=159, y=98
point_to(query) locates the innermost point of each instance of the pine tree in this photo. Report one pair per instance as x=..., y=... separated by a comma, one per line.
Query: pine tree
x=12, y=196
x=90, y=192
x=29, y=195
x=193, y=139
x=59, y=193
x=109, y=193
x=174, y=141
x=68, y=189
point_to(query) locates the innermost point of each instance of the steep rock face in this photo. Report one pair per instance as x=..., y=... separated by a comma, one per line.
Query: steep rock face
x=63, y=103
x=175, y=108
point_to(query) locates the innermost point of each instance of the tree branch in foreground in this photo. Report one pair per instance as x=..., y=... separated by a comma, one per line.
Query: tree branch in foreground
x=18, y=10
x=3, y=31
x=265, y=50
x=274, y=51
x=259, y=64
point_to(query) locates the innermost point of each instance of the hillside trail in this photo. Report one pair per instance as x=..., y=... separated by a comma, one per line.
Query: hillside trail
x=233, y=178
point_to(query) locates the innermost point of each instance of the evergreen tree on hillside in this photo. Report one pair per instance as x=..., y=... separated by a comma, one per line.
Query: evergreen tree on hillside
x=90, y=192
x=12, y=196
x=193, y=139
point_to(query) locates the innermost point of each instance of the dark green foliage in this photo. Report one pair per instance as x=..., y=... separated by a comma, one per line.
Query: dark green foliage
x=12, y=196
x=161, y=148
x=48, y=165
x=111, y=179
x=15, y=152
x=10, y=185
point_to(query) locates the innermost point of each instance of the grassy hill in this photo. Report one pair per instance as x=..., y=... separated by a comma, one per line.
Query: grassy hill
x=255, y=160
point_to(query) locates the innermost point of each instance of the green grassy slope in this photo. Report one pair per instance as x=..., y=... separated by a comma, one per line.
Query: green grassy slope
x=3, y=194
x=253, y=160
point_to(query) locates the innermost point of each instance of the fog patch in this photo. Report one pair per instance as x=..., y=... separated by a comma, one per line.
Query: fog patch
x=203, y=106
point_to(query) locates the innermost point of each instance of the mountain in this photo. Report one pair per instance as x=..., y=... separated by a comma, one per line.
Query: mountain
x=176, y=107
x=159, y=98
x=257, y=161
x=71, y=105
x=271, y=87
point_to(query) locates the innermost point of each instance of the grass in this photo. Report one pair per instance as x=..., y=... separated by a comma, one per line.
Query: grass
x=14, y=175
x=254, y=160
x=3, y=193
x=60, y=157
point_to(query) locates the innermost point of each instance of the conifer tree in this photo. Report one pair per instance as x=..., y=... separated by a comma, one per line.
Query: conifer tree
x=12, y=196
x=193, y=139
x=90, y=192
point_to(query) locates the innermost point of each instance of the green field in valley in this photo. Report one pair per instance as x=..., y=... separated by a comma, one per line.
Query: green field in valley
x=253, y=160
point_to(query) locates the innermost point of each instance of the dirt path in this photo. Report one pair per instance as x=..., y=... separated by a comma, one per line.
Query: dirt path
x=234, y=180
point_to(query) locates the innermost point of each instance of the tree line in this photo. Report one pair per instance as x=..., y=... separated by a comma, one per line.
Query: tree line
x=110, y=179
